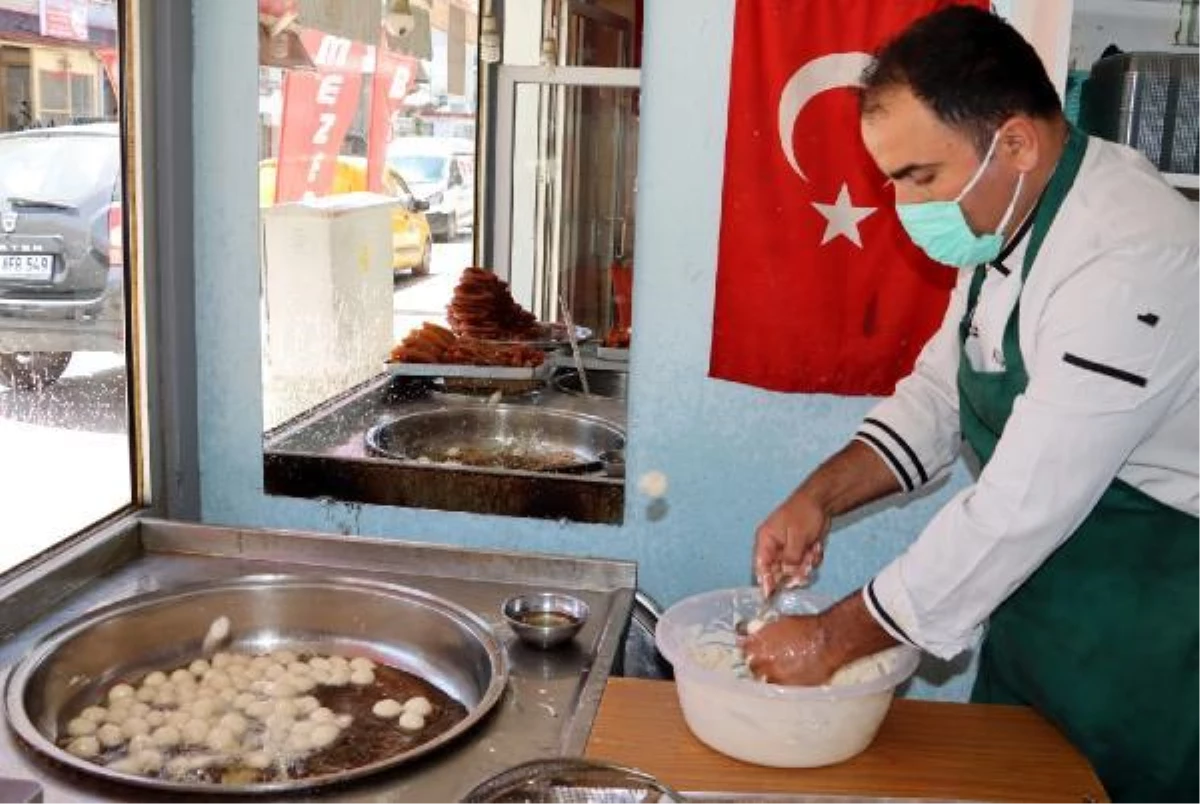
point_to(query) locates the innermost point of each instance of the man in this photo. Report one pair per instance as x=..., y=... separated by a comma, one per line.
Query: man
x=1067, y=361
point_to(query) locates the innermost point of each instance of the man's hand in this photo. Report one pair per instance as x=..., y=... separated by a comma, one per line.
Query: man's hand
x=791, y=541
x=807, y=650
x=791, y=650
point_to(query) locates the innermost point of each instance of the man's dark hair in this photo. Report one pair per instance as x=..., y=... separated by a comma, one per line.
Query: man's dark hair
x=969, y=66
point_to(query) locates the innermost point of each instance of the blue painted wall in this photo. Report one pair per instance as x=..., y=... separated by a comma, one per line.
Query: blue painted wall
x=730, y=452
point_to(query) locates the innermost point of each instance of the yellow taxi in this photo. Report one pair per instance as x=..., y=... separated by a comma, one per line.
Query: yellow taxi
x=412, y=243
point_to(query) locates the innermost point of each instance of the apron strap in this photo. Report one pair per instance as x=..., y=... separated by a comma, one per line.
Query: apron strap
x=1056, y=191
x=1044, y=211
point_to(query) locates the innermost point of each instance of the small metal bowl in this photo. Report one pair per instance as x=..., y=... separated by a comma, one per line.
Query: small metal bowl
x=545, y=619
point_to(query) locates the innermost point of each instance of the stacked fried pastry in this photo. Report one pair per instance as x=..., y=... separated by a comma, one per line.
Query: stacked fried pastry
x=433, y=344
x=483, y=308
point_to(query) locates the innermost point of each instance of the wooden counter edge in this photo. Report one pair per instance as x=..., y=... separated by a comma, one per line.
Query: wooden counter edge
x=924, y=750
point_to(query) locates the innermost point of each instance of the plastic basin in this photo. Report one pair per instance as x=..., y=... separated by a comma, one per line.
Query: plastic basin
x=771, y=724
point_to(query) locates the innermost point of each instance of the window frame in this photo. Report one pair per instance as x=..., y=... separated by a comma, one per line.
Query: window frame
x=155, y=41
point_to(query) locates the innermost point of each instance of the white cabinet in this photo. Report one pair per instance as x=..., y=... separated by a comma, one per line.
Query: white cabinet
x=327, y=299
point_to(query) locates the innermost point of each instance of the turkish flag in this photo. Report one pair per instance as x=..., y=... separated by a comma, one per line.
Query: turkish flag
x=318, y=108
x=818, y=287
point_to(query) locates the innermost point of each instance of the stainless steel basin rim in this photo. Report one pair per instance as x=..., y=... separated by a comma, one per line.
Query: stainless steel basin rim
x=587, y=437
x=481, y=673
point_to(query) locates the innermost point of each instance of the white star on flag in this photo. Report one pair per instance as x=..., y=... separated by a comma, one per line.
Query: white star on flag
x=842, y=218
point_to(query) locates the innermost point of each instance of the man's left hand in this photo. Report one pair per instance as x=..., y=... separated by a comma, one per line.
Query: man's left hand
x=791, y=650
x=806, y=650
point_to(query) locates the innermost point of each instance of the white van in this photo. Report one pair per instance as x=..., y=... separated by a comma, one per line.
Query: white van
x=441, y=172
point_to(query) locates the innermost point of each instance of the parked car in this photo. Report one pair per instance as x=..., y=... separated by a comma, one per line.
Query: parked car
x=440, y=170
x=61, y=252
x=412, y=243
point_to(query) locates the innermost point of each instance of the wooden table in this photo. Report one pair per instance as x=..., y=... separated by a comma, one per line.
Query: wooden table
x=924, y=750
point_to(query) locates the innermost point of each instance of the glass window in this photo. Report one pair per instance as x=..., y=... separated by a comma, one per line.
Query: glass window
x=420, y=169
x=82, y=95
x=18, y=108
x=385, y=327
x=62, y=170
x=54, y=91
x=345, y=114
x=64, y=388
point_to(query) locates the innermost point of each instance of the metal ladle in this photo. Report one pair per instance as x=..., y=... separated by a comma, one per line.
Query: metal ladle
x=573, y=337
x=742, y=627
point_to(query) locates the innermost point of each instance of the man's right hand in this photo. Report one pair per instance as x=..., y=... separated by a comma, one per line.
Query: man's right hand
x=791, y=541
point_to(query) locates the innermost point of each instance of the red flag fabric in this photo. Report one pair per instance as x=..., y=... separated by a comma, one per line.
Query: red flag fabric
x=317, y=111
x=395, y=76
x=818, y=287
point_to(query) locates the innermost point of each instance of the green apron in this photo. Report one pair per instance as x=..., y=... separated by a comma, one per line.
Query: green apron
x=1102, y=638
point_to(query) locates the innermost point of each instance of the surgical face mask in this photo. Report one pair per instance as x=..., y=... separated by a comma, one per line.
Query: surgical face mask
x=941, y=230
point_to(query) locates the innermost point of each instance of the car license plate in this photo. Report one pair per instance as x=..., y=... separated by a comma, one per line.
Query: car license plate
x=26, y=266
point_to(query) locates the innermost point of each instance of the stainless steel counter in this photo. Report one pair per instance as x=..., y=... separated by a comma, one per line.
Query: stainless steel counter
x=323, y=454
x=547, y=709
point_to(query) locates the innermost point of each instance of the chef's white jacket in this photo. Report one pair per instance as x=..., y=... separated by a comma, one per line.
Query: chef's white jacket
x=1108, y=332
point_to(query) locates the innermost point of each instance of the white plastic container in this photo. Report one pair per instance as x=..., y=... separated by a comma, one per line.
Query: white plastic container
x=327, y=299
x=771, y=724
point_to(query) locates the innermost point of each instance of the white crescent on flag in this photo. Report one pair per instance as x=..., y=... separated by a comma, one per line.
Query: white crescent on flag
x=824, y=72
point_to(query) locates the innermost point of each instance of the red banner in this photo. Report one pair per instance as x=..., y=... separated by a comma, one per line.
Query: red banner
x=818, y=287
x=395, y=77
x=317, y=110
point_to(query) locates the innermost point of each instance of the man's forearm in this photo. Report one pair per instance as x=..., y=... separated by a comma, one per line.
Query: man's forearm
x=850, y=632
x=852, y=477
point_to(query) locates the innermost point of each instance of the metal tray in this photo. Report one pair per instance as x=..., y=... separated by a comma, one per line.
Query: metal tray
x=447, y=370
x=601, y=382
x=395, y=625
x=613, y=353
x=555, y=338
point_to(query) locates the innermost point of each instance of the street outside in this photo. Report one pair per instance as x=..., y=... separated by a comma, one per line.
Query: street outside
x=424, y=298
x=64, y=453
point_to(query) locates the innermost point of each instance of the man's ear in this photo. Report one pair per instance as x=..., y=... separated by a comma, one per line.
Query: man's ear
x=1019, y=144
